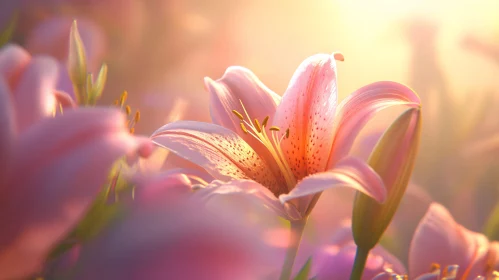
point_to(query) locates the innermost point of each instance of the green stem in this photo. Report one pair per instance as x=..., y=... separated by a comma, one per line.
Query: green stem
x=296, y=233
x=359, y=264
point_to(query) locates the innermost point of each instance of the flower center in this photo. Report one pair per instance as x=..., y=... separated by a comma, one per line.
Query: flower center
x=261, y=132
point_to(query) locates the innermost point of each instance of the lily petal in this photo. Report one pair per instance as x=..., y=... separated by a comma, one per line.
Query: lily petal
x=308, y=110
x=184, y=240
x=165, y=187
x=358, y=108
x=349, y=172
x=13, y=60
x=439, y=239
x=237, y=85
x=58, y=162
x=220, y=151
x=64, y=99
x=252, y=188
x=240, y=85
x=34, y=96
x=7, y=128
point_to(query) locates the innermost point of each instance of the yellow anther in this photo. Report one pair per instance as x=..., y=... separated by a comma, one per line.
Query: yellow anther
x=132, y=130
x=243, y=128
x=255, y=129
x=128, y=110
x=123, y=98
x=116, y=102
x=338, y=56
x=265, y=121
x=434, y=267
x=257, y=126
x=137, y=117
x=239, y=115
x=287, y=133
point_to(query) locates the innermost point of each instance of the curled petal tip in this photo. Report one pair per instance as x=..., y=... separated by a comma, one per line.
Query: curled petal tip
x=208, y=82
x=339, y=56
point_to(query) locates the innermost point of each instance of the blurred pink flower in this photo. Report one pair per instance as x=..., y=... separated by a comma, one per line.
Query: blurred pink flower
x=440, y=240
x=305, y=150
x=180, y=240
x=51, y=168
x=335, y=260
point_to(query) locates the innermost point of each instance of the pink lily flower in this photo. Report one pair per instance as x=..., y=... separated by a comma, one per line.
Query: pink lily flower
x=440, y=242
x=179, y=240
x=286, y=150
x=51, y=168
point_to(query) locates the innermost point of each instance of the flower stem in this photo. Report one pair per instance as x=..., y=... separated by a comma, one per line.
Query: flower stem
x=359, y=264
x=296, y=233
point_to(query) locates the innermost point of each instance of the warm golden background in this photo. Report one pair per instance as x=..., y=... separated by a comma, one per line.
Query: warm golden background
x=159, y=51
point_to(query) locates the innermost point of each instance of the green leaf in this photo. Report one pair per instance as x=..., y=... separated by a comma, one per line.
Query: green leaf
x=393, y=159
x=304, y=272
x=6, y=34
x=77, y=63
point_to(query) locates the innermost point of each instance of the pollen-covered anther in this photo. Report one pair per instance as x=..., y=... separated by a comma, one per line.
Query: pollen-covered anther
x=258, y=126
x=269, y=139
x=434, y=267
x=265, y=121
x=128, y=110
x=123, y=98
x=239, y=115
x=243, y=128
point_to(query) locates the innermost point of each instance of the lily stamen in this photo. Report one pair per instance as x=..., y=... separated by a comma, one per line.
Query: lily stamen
x=239, y=115
x=258, y=131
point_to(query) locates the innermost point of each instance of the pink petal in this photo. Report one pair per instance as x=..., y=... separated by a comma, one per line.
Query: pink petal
x=308, y=110
x=180, y=241
x=439, y=239
x=336, y=262
x=65, y=100
x=165, y=187
x=252, y=189
x=358, y=108
x=13, y=61
x=7, y=129
x=34, y=96
x=238, y=85
x=486, y=259
x=218, y=150
x=60, y=165
x=342, y=242
x=349, y=172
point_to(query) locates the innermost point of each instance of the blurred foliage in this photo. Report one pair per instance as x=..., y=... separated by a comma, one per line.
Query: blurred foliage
x=106, y=208
x=87, y=90
x=7, y=33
